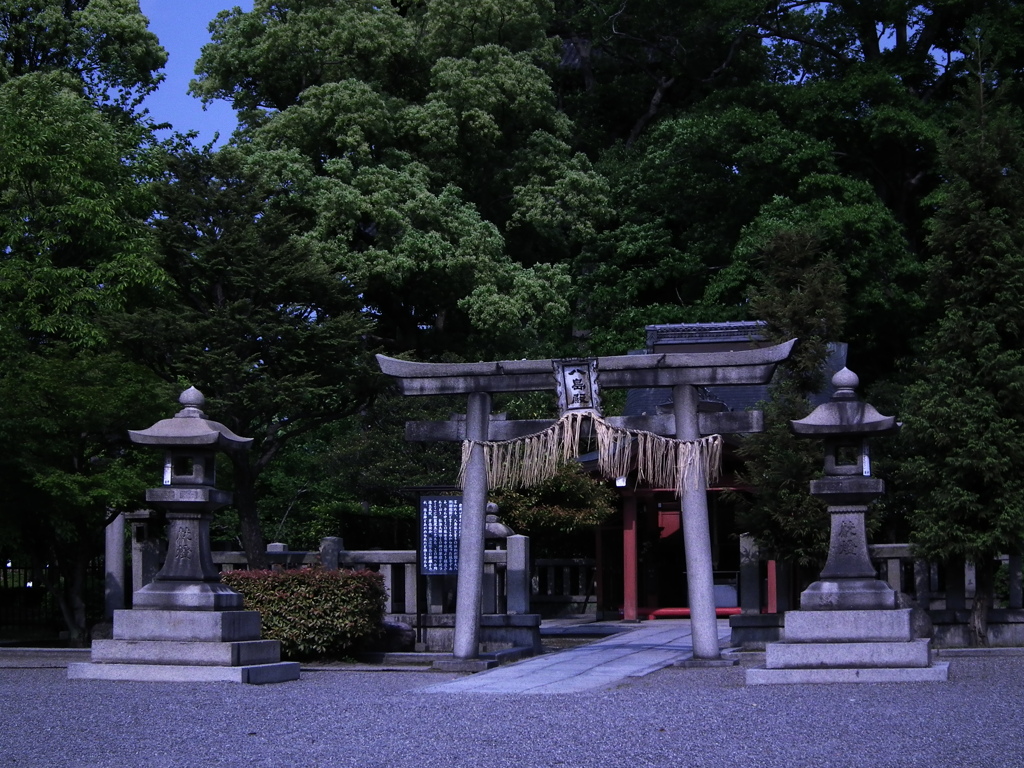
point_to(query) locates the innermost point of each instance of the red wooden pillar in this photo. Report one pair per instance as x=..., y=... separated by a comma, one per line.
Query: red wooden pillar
x=630, y=589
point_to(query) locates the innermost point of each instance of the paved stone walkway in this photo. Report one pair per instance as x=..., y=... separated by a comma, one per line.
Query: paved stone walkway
x=636, y=652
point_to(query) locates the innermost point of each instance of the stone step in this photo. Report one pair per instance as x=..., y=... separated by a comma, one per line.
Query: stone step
x=937, y=673
x=202, y=626
x=785, y=655
x=257, y=674
x=227, y=654
x=867, y=626
x=41, y=657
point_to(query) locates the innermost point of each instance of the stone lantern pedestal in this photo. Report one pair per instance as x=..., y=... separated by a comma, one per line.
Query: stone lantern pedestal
x=186, y=625
x=848, y=628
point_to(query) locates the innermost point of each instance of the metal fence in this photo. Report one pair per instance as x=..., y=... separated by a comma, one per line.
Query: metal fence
x=26, y=601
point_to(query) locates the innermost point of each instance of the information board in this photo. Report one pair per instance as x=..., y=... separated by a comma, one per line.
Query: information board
x=440, y=517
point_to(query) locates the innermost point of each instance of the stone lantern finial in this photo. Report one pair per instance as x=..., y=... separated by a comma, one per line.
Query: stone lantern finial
x=845, y=381
x=193, y=400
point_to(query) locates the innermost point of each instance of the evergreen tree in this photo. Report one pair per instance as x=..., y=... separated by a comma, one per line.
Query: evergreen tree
x=270, y=330
x=449, y=186
x=964, y=413
x=801, y=296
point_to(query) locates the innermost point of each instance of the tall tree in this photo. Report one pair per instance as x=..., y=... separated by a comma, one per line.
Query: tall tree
x=452, y=192
x=104, y=44
x=627, y=64
x=66, y=465
x=74, y=247
x=801, y=296
x=73, y=237
x=269, y=329
x=964, y=412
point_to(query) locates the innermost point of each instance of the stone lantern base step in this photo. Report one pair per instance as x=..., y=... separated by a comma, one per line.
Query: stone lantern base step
x=229, y=654
x=255, y=674
x=187, y=626
x=186, y=646
x=848, y=626
x=937, y=673
x=854, y=646
x=841, y=655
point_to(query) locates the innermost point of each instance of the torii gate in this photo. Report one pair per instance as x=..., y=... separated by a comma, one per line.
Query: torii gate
x=683, y=372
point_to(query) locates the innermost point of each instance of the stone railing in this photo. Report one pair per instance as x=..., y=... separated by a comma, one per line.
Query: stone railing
x=946, y=592
x=563, y=586
x=934, y=587
x=948, y=595
x=506, y=574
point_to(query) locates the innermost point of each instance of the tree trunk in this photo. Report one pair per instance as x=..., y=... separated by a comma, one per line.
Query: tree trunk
x=248, y=517
x=978, y=622
x=69, y=592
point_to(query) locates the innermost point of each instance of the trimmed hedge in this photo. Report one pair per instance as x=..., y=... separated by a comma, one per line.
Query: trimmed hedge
x=313, y=612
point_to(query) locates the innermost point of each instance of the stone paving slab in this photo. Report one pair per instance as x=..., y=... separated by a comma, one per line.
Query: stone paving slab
x=634, y=653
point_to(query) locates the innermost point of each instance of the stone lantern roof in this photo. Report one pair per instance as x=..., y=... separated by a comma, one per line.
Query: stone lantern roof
x=190, y=427
x=844, y=415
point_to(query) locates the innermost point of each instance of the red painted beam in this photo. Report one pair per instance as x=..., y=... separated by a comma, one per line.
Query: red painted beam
x=629, y=559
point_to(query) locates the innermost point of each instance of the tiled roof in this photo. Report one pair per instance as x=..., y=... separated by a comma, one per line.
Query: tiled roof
x=715, y=337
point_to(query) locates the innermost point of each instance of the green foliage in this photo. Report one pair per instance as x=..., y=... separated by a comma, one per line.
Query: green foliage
x=349, y=478
x=268, y=328
x=73, y=243
x=74, y=247
x=779, y=513
x=459, y=180
x=965, y=407
x=266, y=58
x=801, y=296
x=633, y=62
x=315, y=614
x=453, y=28
x=567, y=502
x=65, y=462
x=104, y=43
x=64, y=449
x=447, y=187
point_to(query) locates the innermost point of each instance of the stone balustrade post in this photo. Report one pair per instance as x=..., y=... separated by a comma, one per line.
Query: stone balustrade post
x=1016, y=592
x=517, y=576
x=331, y=548
x=113, y=591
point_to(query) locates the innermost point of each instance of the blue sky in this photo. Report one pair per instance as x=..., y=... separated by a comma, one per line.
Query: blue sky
x=181, y=26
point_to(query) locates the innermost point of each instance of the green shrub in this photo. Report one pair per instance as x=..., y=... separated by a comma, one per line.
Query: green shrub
x=313, y=612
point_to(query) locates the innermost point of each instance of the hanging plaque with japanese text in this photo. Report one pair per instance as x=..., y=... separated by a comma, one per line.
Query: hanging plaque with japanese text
x=440, y=518
x=577, y=385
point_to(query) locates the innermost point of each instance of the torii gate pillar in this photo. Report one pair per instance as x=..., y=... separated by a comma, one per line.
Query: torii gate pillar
x=700, y=579
x=471, y=533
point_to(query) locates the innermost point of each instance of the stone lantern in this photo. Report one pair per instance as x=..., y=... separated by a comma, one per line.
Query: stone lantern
x=186, y=626
x=848, y=580
x=188, y=497
x=848, y=628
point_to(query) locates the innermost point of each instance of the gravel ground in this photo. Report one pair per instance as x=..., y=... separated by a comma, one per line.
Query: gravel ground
x=675, y=717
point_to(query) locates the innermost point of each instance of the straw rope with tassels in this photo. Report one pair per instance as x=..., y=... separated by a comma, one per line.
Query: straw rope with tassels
x=661, y=462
